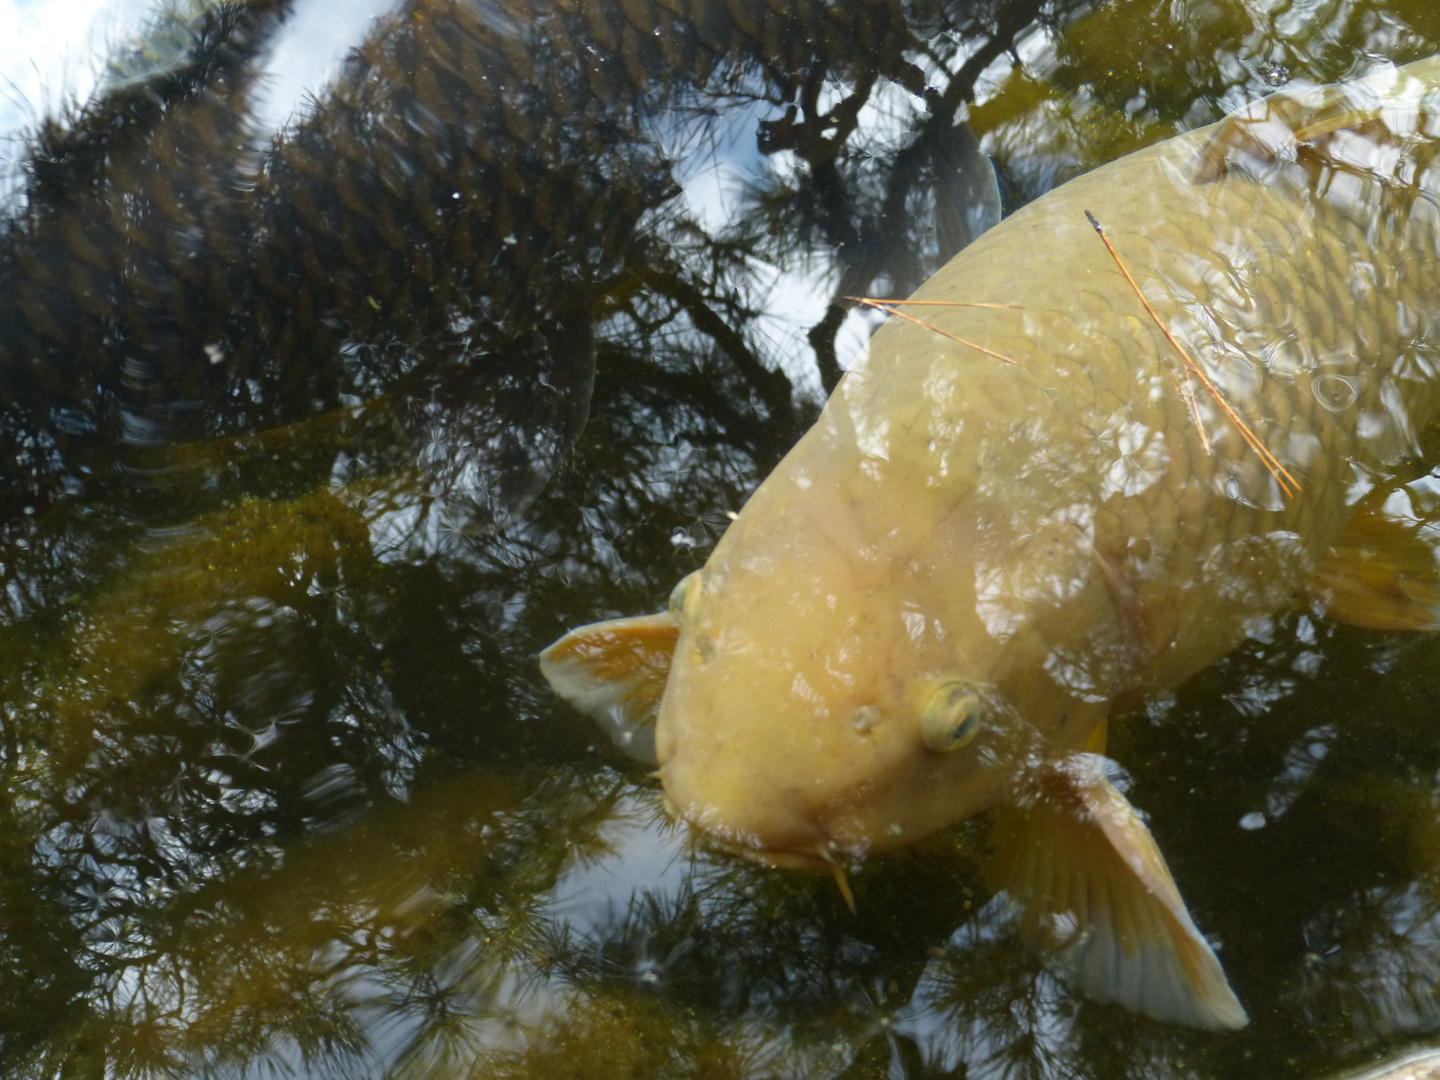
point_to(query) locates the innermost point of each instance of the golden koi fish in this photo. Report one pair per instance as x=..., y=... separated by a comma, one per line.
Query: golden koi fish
x=1416, y=1065
x=1010, y=523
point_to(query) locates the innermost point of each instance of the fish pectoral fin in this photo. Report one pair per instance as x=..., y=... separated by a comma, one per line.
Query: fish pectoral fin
x=615, y=671
x=1381, y=573
x=1097, y=899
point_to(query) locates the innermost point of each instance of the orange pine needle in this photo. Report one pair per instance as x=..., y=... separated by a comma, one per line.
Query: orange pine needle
x=1182, y=380
x=887, y=306
x=1289, y=486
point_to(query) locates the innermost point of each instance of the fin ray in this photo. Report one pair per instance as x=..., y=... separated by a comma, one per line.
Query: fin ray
x=1382, y=572
x=1390, y=106
x=615, y=672
x=1100, y=902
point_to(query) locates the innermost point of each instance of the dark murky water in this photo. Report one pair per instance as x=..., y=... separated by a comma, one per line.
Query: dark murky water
x=295, y=487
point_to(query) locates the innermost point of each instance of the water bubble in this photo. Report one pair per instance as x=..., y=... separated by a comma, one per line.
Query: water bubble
x=1272, y=73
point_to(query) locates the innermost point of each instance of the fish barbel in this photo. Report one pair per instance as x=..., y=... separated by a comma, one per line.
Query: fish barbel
x=935, y=602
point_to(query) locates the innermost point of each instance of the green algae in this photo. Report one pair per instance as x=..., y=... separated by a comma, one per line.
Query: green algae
x=284, y=794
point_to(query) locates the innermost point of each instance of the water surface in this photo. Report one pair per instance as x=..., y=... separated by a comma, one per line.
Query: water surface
x=317, y=429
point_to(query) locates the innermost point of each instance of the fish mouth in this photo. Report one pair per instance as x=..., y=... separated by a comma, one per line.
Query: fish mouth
x=822, y=855
x=777, y=857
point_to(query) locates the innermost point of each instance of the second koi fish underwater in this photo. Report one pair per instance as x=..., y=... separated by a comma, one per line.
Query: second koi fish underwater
x=1182, y=413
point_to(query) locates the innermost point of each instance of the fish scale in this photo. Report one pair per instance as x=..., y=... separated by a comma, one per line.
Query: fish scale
x=935, y=602
x=1193, y=508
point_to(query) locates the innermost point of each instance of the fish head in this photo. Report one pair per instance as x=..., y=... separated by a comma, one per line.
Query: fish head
x=901, y=622
x=821, y=705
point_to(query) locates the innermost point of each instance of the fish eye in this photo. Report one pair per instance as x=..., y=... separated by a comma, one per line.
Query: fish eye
x=951, y=717
x=678, y=594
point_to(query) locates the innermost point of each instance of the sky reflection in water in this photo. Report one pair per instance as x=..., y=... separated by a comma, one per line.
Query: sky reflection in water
x=284, y=790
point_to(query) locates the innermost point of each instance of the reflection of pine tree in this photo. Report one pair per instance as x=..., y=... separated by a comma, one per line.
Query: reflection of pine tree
x=281, y=782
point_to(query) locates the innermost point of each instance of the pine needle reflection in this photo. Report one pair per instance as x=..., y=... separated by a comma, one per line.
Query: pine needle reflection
x=1377, y=958
x=310, y=446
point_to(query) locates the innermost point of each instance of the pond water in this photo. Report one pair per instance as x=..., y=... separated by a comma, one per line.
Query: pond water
x=319, y=421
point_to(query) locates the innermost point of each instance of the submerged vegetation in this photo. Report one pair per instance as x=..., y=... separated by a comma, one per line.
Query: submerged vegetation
x=310, y=445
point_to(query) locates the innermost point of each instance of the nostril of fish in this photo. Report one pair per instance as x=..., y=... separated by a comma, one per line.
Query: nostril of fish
x=866, y=719
x=705, y=646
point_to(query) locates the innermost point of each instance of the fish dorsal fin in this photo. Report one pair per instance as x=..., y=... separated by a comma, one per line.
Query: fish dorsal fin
x=1390, y=107
x=1381, y=573
x=1268, y=132
x=615, y=671
x=1098, y=900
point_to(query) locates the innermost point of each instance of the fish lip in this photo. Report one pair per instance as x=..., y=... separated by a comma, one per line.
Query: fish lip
x=775, y=857
x=747, y=845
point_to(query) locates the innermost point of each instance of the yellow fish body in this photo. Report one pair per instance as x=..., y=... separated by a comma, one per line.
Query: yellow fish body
x=978, y=554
